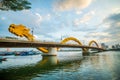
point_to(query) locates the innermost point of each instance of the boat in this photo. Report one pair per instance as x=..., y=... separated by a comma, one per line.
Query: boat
x=25, y=53
x=2, y=58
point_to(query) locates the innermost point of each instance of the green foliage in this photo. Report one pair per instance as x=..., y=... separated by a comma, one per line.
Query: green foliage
x=14, y=5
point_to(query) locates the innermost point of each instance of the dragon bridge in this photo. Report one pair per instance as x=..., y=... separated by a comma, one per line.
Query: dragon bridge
x=90, y=43
x=22, y=31
x=72, y=39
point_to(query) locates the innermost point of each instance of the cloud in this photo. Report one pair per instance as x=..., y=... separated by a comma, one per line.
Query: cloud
x=25, y=17
x=113, y=18
x=2, y=18
x=84, y=19
x=43, y=37
x=116, y=10
x=99, y=35
x=39, y=18
x=111, y=29
x=114, y=24
x=64, y=5
x=95, y=34
x=78, y=12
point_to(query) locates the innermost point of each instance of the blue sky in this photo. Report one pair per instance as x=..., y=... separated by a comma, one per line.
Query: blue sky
x=83, y=19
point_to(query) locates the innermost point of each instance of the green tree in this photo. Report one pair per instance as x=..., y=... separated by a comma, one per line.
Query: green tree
x=14, y=5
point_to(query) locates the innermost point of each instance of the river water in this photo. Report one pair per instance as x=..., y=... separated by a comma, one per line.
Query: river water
x=65, y=66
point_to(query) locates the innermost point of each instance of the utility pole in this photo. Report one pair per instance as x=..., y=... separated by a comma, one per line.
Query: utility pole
x=32, y=31
x=61, y=37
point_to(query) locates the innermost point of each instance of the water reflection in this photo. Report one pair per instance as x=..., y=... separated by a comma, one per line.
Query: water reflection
x=101, y=66
x=48, y=61
x=97, y=66
x=45, y=66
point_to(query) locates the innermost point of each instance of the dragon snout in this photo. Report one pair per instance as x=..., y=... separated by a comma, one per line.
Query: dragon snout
x=10, y=30
x=11, y=27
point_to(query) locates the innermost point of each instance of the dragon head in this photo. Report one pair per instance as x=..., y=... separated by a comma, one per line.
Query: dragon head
x=18, y=30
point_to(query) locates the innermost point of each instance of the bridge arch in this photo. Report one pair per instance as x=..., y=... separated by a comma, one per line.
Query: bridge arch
x=70, y=39
x=90, y=43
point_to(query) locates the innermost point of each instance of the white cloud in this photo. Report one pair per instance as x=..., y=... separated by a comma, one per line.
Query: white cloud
x=78, y=12
x=102, y=37
x=105, y=40
x=35, y=17
x=95, y=34
x=84, y=19
x=63, y=5
x=47, y=17
x=42, y=38
x=39, y=18
x=111, y=29
x=36, y=37
x=116, y=10
x=3, y=18
x=114, y=26
x=118, y=24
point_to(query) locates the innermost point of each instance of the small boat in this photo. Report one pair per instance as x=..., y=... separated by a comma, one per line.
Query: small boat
x=2, y=59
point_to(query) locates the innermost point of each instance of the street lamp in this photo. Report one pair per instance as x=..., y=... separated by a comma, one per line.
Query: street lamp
x=32, y=30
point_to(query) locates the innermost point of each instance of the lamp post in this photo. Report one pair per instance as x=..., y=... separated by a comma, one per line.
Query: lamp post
x=32, y=31
x=61, y=37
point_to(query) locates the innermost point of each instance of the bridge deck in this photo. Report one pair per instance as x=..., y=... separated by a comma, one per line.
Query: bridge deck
x=33, y=44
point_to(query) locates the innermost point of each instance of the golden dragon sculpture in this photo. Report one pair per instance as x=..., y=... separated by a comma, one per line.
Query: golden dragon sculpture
x=22, y=31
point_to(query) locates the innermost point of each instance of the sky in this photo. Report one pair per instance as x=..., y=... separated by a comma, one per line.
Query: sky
x=52, y=20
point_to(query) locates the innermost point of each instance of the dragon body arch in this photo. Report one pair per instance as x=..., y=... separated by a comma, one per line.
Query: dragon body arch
x=90, y=43
x=22, y=31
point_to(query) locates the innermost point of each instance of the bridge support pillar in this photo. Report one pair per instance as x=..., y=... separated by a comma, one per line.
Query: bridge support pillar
x=85, y=52
x=52, y=52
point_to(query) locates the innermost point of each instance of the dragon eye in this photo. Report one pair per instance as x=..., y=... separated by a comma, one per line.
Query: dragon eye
x=13, y=27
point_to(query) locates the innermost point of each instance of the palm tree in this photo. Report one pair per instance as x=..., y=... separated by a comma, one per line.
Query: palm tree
x=14, y=5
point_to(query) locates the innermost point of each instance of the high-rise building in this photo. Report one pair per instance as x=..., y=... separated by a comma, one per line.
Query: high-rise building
x=104, y=46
